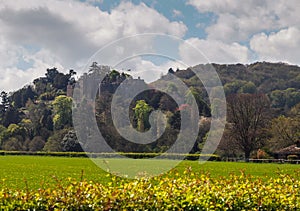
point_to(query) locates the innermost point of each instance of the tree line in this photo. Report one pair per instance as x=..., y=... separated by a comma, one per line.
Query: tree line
x=262, y=101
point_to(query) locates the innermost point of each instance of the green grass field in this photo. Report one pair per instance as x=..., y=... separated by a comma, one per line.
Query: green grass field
x=17, y=172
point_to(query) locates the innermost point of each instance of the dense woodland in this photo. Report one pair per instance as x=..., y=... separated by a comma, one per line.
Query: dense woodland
x=263, y=102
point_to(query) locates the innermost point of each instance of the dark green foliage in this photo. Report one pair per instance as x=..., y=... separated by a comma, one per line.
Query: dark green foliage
x=52, y=145
x=70, y=143
x=32, y=108
x=5, y=103
x=51, y=74
x=20, y=97
x=171, y=71
x=42, y=86
x=13, y=144
x=285, y=98
x=175, y=120
x=36, y=144
x=56, y=140
x=11, y=116
x=113, y=75
x=131, y=155
x=41, y=117
x=61, y=81
x=53, y=82
x=249, y=88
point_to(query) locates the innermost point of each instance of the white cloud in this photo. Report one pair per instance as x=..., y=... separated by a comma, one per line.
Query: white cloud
x=225, y=6
x=239, y=20
x=135, y=19
x=213, y=52
x=147, y=70
x=66, y=33
x=282, y=46
x=8, y=53
x=13, y=77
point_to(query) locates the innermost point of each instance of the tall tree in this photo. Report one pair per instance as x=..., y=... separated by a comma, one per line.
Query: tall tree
x=51, y=74
x=11, y=116
x=41, y=118
x=142, y=110
x=70, y=142
x=20, y=97
x=70, y=75
x=285, y=130
x=4, y=102
x=63, y=111
x=248, y=115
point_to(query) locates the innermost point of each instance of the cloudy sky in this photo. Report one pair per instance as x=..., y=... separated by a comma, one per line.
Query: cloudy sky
x=39, y=34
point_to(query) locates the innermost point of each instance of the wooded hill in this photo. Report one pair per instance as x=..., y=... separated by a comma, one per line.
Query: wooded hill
x=38, y=117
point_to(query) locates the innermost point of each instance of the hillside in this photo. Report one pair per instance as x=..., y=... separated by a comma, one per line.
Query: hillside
x=38, y=117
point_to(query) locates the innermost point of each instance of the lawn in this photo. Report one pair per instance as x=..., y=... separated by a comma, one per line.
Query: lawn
x=17, y=172
x=49, y=183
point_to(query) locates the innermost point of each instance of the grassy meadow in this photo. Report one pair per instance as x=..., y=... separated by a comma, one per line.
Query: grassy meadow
x=33, y=172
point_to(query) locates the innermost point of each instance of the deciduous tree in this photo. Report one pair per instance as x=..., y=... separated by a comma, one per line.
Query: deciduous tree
x=248, y=116
x=63, y=111
x=142, y=110
x=285, y=130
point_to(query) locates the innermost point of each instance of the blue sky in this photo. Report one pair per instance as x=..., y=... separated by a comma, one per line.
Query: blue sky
x=38, y=34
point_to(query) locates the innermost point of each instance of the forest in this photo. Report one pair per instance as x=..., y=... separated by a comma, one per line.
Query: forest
x=263, y=111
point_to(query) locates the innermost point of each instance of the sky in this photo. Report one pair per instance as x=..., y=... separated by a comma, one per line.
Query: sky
x=40, y=34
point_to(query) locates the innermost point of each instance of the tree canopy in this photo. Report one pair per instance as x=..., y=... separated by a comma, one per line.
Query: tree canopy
x=41, y=113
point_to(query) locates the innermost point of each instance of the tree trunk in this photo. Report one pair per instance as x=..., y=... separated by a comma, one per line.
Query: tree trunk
x=247, y=156
x=141, y=126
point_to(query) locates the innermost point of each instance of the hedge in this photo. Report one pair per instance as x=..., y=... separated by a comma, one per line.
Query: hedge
x=210, y=157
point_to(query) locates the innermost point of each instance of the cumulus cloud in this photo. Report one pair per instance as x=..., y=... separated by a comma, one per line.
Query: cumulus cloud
x=8, y=53
x=66, y=33
x=148, y=70
x=212, y=51
x=239, y=20
x=137, y=19
x=47, y=30
x=280, y=46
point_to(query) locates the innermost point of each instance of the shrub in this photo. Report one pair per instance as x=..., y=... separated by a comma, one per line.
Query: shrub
x=36, y=144
x=51, y=145
x=188, y=191
x=47, y=96
x=292, y=157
